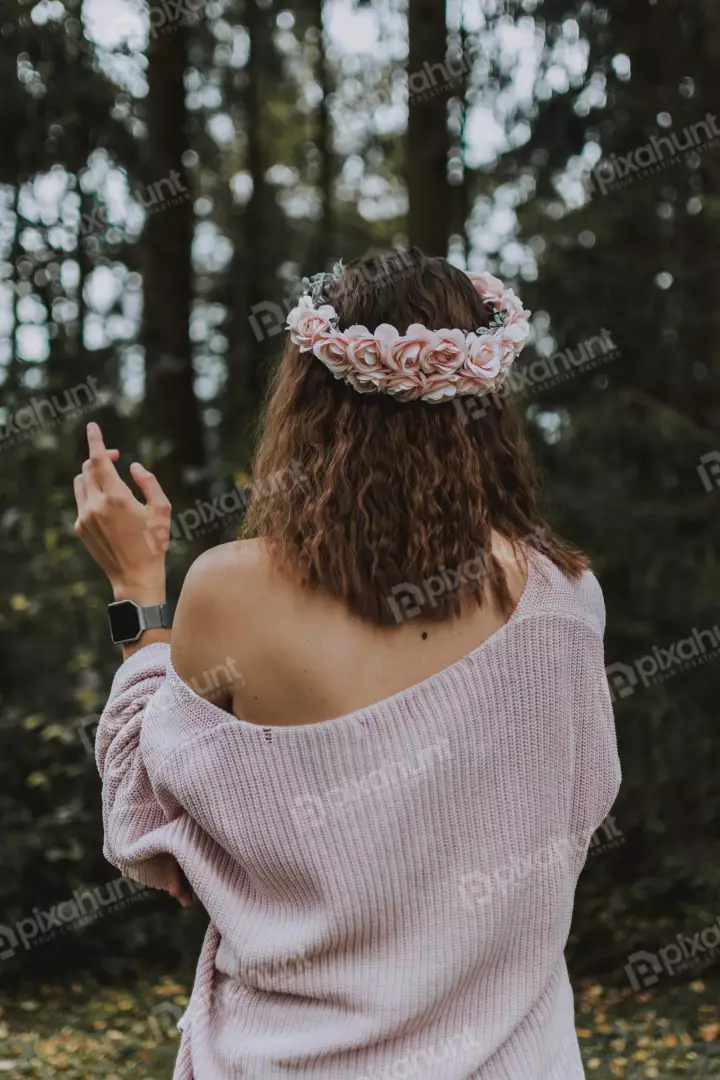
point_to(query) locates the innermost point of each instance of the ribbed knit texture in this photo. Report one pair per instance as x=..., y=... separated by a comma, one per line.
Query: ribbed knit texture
x=390, y=892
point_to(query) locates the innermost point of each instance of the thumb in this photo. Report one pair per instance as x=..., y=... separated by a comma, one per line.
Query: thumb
x=149, y=485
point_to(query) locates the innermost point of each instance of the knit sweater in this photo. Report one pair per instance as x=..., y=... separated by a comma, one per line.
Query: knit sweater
x=390, y=892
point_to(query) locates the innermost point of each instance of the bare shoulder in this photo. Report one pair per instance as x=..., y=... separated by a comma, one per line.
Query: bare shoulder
x=236, y=567
x=226, y=590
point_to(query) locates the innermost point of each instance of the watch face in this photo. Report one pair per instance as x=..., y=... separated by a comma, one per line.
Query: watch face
x=124, y=621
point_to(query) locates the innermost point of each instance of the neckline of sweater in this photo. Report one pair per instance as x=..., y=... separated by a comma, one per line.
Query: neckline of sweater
x=185, y=692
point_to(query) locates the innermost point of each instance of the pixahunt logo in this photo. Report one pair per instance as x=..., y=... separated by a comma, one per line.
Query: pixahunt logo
x=218, y=682
x=606, y=837
x=542, y=374
x=660, y=664
x=661, y=152
x=210, y=515
x=41, y=413
x=313, y=810
x=441, y=77
x=480, y=887
x=69, y=916
x=709, y=470
x=687, y=952
x=425, y=1062
x=171, y=14
x=160, y=195
x=407, y=600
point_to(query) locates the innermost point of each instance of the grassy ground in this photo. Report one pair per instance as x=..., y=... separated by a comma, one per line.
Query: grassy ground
x=78, y=1032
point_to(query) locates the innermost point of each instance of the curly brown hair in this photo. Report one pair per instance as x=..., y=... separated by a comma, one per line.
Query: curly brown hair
x=389, y=499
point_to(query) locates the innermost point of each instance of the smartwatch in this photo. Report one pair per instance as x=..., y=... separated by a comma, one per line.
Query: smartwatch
x=128, y=621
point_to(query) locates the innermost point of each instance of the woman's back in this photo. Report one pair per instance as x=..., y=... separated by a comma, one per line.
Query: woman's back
x=273, y=651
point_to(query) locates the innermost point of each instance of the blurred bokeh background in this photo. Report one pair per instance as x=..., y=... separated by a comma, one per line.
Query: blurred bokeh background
x=168, y=174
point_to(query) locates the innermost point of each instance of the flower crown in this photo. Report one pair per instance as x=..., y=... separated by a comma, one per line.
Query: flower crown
x=425, y=365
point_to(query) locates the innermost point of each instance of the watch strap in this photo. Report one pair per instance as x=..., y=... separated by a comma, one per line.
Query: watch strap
x=155, y=617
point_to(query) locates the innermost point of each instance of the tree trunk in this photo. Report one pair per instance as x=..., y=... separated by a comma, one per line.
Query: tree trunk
x=84, y=268
x=325, y=235
x=428, y=135
x=172, y=412
x=256, y=223
x=13, y=378
x=250, y=280
x=464, y=201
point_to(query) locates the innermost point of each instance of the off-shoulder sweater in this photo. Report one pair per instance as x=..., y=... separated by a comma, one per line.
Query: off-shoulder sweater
x=390, y=891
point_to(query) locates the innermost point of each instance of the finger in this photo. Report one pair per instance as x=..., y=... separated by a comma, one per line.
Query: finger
x=95, y=438
x=90, y=477
x=112, y=454
x=104, y=471
x=150, y=486
x=187, y=893
x=80, y=494
x=185, y=898
x=172, y=875
x=177, y=884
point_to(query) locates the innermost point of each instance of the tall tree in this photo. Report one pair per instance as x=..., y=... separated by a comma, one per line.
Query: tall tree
x=171, y=408
x=459, y=176
x=251, y=280
x=428, y=141
x=325, y=232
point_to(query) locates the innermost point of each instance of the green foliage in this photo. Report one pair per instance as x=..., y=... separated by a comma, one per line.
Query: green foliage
x=619, y=443
x=85, y=1030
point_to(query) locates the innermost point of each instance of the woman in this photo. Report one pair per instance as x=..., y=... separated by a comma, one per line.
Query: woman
x=379, y=738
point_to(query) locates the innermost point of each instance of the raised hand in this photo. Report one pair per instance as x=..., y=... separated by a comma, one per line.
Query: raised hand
x=127, y=538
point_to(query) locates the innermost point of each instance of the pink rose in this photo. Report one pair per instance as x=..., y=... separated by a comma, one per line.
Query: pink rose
x=519, y=318
x=484, y=358
x=482, y=366
x=512, y=338
x=306, y=323
x=403, y=386
x=365, y=353
x=405, y=352
x=490, y=288
x=440, y=359
x=513, y=304
x=508, y=351
x=403, y=378
x=441, y=390
x=332, y=349
x=444, y=353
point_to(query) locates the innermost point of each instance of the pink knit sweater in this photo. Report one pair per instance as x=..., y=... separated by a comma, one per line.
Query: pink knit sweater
x=390, y=892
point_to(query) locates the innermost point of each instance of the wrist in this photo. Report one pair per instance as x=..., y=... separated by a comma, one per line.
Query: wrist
x=144, y=593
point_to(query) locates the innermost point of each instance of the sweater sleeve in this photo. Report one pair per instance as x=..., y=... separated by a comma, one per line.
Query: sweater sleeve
x=597, y=772
x=136, y=822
